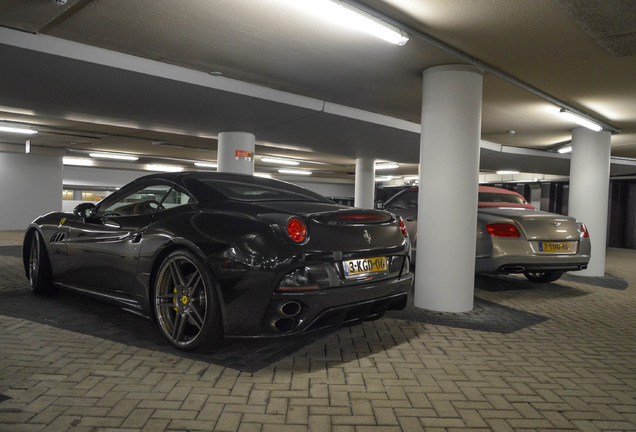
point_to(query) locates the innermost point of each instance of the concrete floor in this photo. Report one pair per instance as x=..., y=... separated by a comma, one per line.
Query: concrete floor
x=548, y=357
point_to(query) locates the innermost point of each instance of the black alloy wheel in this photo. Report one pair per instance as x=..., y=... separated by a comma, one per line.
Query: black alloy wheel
x=185, y=301
x=39, y=266
x=543, y=277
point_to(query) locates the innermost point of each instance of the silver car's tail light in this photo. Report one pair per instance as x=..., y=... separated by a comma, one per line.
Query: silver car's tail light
x=503, y=230
x=402, y=225
x=583, y=230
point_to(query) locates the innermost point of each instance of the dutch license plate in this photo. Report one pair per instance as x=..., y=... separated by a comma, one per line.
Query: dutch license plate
x=365, y=266
x=562, y=247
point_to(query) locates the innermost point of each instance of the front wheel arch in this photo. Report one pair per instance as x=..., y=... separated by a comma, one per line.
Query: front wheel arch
x=37, y=264
x=26, y=249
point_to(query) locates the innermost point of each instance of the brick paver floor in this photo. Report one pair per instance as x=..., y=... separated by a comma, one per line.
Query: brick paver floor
x=551, y=357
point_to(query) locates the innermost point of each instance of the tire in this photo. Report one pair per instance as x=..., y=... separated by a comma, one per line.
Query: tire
x=39, y=266
x=543, y=277
x=186, y=304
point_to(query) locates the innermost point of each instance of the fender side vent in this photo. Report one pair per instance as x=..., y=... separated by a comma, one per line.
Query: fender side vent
x=58, y=237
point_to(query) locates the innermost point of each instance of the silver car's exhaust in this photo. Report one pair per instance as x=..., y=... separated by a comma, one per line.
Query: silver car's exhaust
x=513, y=269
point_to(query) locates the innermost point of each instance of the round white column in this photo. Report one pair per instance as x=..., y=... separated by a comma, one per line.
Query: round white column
x=365, y=183
x=449, y=175
x=236, y=152
x=589, y=190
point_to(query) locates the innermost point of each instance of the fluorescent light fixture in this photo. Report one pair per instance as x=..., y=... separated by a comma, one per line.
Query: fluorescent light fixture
x=384, y=166
x=164, y=168
x=117, y=156
x=347, y=15
x=384, y=178
x=279, y=161
x=18, y=130
x=411, y=178
x=263, y=175
x=206, y=164
x=294, y=171
x=566, y=149
x=77, y=161
x=581, y=120
x=504, y=172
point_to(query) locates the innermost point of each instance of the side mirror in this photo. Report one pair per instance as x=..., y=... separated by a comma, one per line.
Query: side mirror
x=85, y=210
x=379, y=205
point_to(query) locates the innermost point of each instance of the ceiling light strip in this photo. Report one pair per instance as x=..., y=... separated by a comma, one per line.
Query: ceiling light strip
x=18, y=130
x=77, y=161
x=350, y=16
x=163, y=168
x=294, y=171
x=281, y=161
x=581, y=120
x=386, y=165
x=116, y=156
x=206, y=164
x=436, y=42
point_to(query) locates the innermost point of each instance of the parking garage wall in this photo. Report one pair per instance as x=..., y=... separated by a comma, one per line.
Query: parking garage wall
x=31, y=186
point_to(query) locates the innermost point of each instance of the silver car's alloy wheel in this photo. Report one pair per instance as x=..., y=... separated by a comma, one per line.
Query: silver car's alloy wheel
x=185, y=303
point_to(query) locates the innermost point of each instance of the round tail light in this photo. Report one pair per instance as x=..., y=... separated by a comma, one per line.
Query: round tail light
x=402, y=225
x=296, y=229
x=503, y=230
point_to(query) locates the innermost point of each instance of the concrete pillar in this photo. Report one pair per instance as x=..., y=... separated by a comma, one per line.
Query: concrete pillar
x=365, y=183
x=236, y=152
x=449, y=173
x=589, y=190
x=32, y=185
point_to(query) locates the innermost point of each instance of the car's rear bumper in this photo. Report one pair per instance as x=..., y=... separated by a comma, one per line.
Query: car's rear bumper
x=295, y=313
x=520, y=264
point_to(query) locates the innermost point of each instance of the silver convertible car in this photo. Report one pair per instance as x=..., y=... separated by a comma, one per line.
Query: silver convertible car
x=512, y=235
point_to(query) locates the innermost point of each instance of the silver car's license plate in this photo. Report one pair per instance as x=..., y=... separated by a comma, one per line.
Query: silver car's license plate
x=365, y=266
x=558, y=247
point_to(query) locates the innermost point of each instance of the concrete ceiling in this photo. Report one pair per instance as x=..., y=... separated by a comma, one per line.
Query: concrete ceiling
x=162, y=78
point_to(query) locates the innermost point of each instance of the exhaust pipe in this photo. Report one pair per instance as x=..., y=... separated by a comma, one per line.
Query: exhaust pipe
x=283, y=324
x=582, y=266
x=290, y=308
x=513, y=269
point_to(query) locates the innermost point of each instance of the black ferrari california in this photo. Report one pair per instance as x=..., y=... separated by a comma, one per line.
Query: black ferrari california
x=209, y=255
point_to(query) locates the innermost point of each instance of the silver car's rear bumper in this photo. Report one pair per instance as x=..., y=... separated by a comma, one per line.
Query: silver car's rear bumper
x=520, y=255
x=515, y=264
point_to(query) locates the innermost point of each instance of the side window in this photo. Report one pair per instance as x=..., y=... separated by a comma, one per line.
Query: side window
x=176, y=197
x=145, y=200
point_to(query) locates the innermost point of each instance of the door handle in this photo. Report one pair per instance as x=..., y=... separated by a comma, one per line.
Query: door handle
x=111, y=224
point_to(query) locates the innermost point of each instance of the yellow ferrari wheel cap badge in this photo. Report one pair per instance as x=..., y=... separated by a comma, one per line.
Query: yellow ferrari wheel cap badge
x=184, y=300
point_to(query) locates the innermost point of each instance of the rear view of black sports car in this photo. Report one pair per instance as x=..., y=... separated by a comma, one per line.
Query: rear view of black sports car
x=208, y=255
